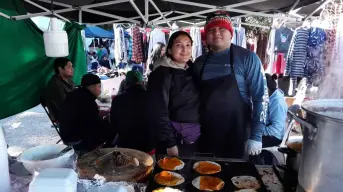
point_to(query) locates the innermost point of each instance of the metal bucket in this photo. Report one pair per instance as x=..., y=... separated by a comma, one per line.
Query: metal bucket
x=321, y=167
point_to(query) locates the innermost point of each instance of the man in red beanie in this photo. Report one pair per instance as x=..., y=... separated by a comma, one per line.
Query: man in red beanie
x=234, y=93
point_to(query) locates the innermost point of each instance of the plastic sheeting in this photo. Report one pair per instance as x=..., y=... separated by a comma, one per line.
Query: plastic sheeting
x=24, y=68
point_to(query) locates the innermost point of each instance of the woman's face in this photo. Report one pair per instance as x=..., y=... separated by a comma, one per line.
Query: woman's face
x=163, y=51
x=181, y=50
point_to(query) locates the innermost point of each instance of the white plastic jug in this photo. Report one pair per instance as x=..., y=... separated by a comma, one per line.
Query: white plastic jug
x=5, y=184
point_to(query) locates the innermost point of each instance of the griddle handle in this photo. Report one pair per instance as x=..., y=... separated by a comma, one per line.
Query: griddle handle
x=196, y=154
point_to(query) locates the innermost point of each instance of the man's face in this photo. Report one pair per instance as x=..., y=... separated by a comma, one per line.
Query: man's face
x=67, y=71
x=218, y=38
x=95, y=89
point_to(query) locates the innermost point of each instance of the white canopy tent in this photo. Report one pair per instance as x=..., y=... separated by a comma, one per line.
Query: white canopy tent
x=65, y=10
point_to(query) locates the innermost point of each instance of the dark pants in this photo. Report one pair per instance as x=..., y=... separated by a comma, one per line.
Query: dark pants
x=270, y=141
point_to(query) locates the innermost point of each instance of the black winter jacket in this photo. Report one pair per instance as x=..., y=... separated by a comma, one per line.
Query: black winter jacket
x=173, y=97
x=129, y=118
x=80, y=121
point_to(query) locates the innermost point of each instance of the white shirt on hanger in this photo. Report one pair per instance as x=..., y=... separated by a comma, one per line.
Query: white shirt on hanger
x=197, y=47
x=156, y=36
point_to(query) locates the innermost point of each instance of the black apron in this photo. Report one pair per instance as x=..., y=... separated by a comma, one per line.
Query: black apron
x=224, y=115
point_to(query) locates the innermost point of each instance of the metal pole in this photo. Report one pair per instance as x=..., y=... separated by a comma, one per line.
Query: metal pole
x=138, y=11
x=165, y=15
x=45, y=9
x=103, y=4
x=20, y=17
x=120, y=20
x=109, y=15
x=56, y=3
x=321, y=6
x=185, y=13
x=146, y=5
x=159, y=11
x=80, y=16
x=4, y=15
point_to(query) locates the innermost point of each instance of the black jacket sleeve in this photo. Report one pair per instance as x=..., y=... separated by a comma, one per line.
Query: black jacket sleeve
x=158, y=90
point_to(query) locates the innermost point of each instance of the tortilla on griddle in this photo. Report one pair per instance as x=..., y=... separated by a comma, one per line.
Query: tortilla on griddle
x=167, y=189
x=207, y=167
x=246, y=190
x=246, y=182
x=208, y=183
x=168, y=178
x=171, y=164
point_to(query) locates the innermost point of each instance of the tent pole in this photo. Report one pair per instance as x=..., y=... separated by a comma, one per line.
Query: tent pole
x=45, y=9
x=109, y=15
x=212, y=8
x=165, y=15
x=80, y=16
x=159, y=11
x=321, y=6
x=185, y=13
x=138, y=11
x=56, y=3
x=120, y=20
x=146, y=5
x=26, y=16
x=4, y=15
x=103, y=4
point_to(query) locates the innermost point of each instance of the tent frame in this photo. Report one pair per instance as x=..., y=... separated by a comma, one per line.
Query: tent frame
x=290, y=16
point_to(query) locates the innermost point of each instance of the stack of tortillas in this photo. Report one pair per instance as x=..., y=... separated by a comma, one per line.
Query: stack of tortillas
x=246, y=183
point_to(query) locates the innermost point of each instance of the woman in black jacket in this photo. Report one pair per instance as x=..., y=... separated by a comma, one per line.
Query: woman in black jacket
x=174, y=99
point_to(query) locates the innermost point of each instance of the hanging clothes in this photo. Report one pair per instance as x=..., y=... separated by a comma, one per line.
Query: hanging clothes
x=314, y=66
x=156, y=36
x=295, y=62
x=197, y=47
x=261, y=49
x=280, y=64
x=120, y=52
x=271, y=51
x=137, y=47
x=239, y=37
x=283, y=37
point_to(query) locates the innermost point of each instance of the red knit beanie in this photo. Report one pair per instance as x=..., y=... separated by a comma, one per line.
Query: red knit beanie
x=219, y=19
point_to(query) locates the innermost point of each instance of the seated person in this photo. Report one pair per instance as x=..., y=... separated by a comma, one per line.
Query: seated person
x=128, y=115
x=104, y=62
x=58, y=86
x=80, y=118
x=276, y=116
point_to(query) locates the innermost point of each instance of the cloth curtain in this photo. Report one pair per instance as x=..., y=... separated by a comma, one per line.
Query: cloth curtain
x=24, y=67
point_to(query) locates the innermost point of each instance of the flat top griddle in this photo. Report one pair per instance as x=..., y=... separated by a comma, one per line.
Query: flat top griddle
x=230, y=168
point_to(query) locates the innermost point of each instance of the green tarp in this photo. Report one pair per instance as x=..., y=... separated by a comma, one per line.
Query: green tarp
x=24, y=67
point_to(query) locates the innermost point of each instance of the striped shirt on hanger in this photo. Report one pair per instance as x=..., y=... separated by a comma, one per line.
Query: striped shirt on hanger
x=295, y=62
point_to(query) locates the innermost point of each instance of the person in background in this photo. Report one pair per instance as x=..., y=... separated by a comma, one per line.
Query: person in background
x=104, y=62
x=129, y=116
x=234, y=93
x=58, y=86
x=80, y=119
x=276, y=116
x=174, y=99
x=157, y=52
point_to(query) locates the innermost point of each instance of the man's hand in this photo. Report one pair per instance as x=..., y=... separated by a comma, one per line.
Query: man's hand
x=253, y=147
x=173, y=151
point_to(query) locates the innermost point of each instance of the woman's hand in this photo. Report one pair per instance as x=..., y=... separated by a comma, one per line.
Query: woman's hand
x=173, y=151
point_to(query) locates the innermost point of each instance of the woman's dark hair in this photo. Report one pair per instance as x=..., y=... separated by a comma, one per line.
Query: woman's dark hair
x=172, y=39
x=271, y=81
x=60, y=62
x=156, y=52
